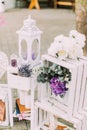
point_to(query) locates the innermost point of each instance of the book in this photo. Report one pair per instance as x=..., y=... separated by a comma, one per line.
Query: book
x=17, y=109
x=2, y=110
x=21, y=108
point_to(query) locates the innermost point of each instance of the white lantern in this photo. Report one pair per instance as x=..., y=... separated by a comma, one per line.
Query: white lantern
x=29, y=42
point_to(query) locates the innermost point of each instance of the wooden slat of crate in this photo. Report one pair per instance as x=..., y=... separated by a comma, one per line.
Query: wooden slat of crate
x=58, y=113
x=83, y=99
x=76, y=114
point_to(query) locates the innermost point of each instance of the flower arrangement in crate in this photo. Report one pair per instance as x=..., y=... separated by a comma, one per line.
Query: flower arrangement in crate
x=57, y=77
x=63, y=48
x=70, y=47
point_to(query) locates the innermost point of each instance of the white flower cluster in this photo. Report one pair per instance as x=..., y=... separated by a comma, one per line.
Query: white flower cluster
x=68, y=47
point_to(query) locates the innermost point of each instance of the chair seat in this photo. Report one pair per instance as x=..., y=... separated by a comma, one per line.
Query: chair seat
x=65, y=3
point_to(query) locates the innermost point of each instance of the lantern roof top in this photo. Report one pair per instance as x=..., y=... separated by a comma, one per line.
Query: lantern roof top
x=29, y=27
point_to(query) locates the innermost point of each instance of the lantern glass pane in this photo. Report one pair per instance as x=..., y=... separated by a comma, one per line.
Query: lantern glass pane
x=24, y=49
x=35, y=48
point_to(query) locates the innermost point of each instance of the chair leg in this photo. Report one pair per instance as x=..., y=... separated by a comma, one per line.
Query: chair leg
x=34, y=3
x=73, y=6
x=55, y=4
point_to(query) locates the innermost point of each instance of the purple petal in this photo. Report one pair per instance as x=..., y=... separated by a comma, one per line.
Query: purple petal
x=57, y=86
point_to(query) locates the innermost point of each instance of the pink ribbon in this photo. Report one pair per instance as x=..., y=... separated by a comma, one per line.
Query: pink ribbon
x=22, y=116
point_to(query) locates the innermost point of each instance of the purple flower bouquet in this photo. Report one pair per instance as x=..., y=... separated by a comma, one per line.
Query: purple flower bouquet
x=57, y=76
x=58, y=87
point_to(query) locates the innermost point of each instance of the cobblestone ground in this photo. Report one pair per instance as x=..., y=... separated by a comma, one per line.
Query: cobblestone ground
x=18, y=125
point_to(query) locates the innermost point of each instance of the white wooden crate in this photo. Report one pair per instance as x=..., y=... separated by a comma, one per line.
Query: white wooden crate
x=42, y=111
x=66, y=103
x=63, y=108
x=76, y=112
x=83, y=90
x=82, y=101
x=18, y=82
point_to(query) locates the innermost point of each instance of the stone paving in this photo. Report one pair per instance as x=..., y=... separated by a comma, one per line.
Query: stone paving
x=18, y=125
x=51, y=21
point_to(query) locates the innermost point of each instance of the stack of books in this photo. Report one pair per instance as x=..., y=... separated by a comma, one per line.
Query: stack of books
x=21, y=111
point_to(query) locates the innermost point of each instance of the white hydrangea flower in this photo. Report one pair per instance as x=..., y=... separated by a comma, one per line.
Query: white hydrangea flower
x=78, y=37
x=59, y=38
x=53, y=49
x=67, y=43
x=75, y=52
x=64, y=47
x=73, y=33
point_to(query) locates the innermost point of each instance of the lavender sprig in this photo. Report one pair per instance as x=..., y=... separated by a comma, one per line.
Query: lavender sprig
x=25, y=70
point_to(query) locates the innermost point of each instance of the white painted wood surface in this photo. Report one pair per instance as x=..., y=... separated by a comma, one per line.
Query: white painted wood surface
x=56, y=112
x=29, y=84
x=83, y=100
x=18, y=82
x=65, y=103
x=4, y=96
x=73, y=115
x=76, y=113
